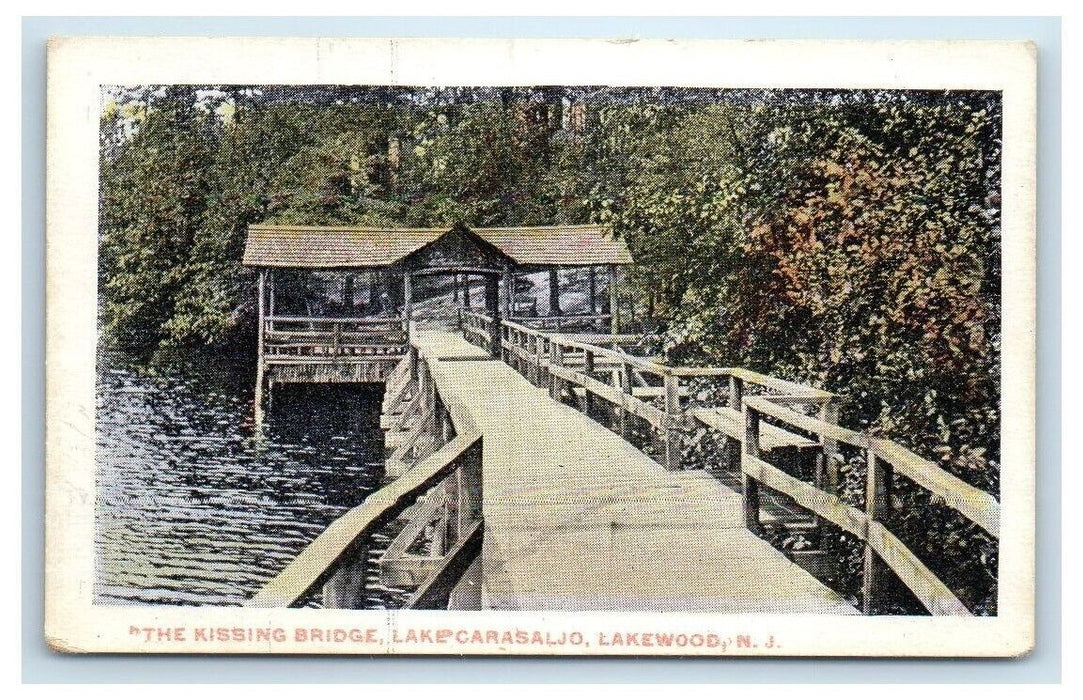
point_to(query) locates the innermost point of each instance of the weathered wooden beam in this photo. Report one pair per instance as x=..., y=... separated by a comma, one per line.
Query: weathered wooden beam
x=736, y=392
x=671, y=435
x=875, y=504
x=592, y=288
x=824, y=504
x=270, y=293
x=260, y=363
x=923, y=583
x=614, y=301
x=731, y=423
x=554, y=292
x=433, y=594
x=975, y=504
x=625, y=382
x=750, y=487
x=344, y=589
x=588, y=370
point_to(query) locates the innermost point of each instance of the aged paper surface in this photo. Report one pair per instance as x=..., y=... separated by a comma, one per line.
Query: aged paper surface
x=599, y=432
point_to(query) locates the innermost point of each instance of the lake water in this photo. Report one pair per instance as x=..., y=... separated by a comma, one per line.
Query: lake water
x=193, y=508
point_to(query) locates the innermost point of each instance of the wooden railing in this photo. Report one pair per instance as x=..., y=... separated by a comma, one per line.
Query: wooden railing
x=594, y=371
x=577, y=323
x=304, y=338
x=480, y=329
x=440, y=498
x=758, y=415
x=881, y=459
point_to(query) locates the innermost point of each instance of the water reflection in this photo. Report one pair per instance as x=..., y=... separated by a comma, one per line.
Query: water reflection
x=192, y=509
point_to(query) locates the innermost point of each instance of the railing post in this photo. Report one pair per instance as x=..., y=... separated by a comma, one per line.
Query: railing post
x=750, y=487
x=345, y=588
x=445, y=430
x=556, y=359
x=427, y=387
x=412, y=360
x=469, y=486
x=877, y=492
x=439, y=542
x=588, y=369
x=829, y=413
x=737, y=392
x=672, y=435
x=534, y=348
x=258, y=418
x=495, y=339
x=625, y=376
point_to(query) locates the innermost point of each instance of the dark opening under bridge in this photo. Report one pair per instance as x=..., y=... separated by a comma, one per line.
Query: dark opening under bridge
x=539, y=469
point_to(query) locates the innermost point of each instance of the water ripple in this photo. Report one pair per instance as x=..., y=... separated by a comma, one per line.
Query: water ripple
x=192, y=508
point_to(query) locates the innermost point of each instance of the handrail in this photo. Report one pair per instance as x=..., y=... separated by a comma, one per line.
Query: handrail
x=316, y=561
x=883, y=457
x=335, y=546
x=569, y=365
x=976, y=505
x=373, y=320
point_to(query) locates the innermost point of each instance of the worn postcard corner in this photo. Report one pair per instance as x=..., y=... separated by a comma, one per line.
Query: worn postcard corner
x=540, y=347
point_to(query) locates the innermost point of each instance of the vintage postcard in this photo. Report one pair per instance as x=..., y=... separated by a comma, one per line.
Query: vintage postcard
x=540, y=347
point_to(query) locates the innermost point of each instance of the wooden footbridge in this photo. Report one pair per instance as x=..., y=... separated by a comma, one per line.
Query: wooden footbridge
x=534, y=469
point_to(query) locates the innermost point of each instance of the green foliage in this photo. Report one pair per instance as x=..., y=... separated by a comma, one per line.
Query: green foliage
x=850, y=240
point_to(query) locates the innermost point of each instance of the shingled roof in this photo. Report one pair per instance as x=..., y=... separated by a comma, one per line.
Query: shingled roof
x=344, y=247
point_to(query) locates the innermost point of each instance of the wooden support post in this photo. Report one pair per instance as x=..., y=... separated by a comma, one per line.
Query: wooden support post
x=625, y=386
x=819, y=475
x=445, y=430
x=469, y=487
x=426, y=387
x=554, y=292
x=877, y=492
x=408, y=304
x=588, y=369
x=737, y=392
x=374, y=291
x=466, y=291
x=412, y=359
x=260, y=363
x=671, y=449
x=455, y=287
x=750, y=487
x=271, y=295
x=347, y=293
x=492, y=303
x=496, y=341
x=507, y=296
x=614, y=302
x=345, y=588
x=829, y=413
x=556, y=359
x=592, y=289
x=539, y=353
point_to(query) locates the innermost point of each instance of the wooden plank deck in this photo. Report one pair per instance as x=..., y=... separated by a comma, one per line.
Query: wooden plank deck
x=578, y=519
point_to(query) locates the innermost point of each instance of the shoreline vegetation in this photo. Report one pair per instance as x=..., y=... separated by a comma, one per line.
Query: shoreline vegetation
x=845, y=239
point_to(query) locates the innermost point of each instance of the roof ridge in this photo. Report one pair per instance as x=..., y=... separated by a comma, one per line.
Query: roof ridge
x=545, y=226
x=305, y=227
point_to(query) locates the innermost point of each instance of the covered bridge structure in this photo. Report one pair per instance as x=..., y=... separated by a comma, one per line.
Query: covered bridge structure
x=338, y=303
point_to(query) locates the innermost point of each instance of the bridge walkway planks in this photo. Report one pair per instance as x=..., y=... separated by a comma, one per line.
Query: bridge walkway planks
x=578, y=519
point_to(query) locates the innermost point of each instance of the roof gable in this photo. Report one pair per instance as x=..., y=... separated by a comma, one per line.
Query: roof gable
x=458, y=247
